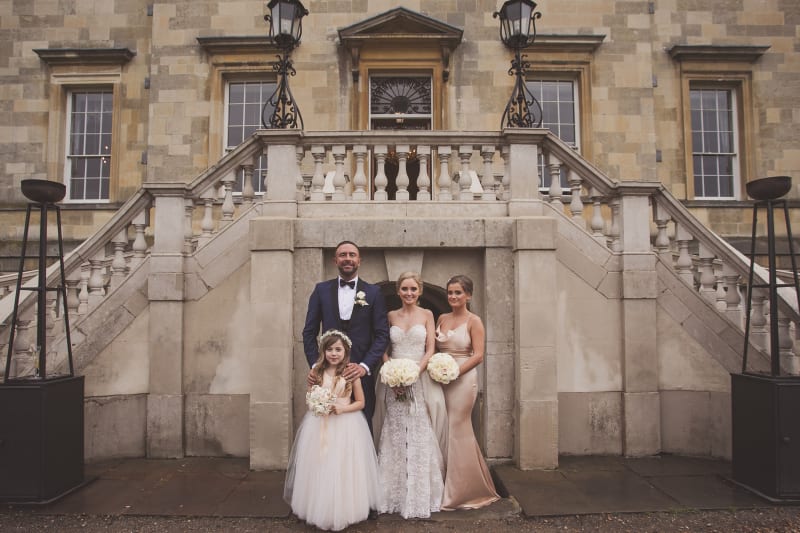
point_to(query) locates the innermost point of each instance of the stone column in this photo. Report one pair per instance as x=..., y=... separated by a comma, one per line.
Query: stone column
x=270, y=354
x=641, y=399
x=282, y=168
x=536, y=386
x=498, y=364
x=522, y=166
x=165, y=328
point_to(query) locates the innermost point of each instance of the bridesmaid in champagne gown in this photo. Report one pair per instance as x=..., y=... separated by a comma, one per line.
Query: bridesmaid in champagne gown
x=468, y=483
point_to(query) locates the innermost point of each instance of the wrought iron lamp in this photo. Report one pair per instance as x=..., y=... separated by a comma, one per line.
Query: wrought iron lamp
x=285, y=29
x=518, y=31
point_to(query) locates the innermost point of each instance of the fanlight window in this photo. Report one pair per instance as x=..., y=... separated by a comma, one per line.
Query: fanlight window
x=400, y=102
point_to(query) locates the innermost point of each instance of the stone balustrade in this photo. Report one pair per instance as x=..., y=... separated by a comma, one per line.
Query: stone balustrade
x=318, y=167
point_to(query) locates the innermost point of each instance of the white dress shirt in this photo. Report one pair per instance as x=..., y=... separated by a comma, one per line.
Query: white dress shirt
x=347, y=298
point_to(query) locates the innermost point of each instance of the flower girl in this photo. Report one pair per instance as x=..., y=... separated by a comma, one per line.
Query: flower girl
x=332, y=479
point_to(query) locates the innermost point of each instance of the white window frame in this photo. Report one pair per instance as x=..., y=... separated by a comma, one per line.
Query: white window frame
x=261, y=166
x=68, y=156
x=735, y=154
x=544, y=182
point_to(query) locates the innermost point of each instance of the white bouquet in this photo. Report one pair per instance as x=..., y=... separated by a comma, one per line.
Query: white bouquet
x=400, y=374
x=442, y=368
x=320, y=400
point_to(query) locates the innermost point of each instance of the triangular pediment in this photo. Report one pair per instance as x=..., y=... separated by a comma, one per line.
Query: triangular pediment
x=398, y=23
x=400, y=26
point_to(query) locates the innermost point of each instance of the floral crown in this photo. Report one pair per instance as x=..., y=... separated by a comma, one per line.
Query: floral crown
x=336, y=332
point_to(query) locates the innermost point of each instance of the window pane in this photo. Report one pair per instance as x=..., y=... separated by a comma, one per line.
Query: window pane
x=710, y=143
x=235, y=93
x=550, y=91
x=92, y=189
x=105, y=144
x=567, y=112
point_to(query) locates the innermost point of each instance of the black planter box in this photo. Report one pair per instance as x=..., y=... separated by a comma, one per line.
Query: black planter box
x=766, y=434
x=41, y=439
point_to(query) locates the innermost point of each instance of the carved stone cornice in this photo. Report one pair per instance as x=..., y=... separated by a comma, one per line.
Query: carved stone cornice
x=716, y=53
x=247, y=44
x=563, y=43
x=85, y=56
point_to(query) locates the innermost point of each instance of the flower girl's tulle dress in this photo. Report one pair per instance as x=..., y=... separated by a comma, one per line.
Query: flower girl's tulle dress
x=332, y=479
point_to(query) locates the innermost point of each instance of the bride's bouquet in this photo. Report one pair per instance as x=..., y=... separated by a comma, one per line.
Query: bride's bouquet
x=320, y=400
x=442, y=368
x=400, y=374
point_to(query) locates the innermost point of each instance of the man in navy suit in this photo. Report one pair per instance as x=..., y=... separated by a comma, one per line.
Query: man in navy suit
x=357, y=308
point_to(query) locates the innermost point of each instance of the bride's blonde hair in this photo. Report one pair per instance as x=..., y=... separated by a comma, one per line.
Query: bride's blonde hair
x=410, y=275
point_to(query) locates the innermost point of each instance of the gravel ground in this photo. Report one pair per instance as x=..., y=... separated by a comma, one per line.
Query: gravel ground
x=759, y=520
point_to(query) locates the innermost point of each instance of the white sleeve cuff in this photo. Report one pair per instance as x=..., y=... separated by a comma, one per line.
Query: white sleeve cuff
x=366, y=368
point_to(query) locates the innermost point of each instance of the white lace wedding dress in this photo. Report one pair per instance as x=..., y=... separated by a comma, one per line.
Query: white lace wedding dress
x=409, y=459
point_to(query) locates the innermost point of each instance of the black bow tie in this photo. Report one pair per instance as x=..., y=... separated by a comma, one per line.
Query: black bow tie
x=351, y=283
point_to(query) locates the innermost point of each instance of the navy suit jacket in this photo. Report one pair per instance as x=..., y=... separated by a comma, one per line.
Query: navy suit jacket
x=368, y=327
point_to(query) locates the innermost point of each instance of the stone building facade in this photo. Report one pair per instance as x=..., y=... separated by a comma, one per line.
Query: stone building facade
x=622, y=356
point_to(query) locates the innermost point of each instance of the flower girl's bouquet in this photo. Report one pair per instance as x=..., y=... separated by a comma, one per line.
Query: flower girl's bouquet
x=320, y=400
x=400, y=374
x=442, y=368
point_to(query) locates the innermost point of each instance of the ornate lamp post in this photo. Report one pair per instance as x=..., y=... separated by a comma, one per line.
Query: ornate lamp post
x=517, y=31
x=285, y=28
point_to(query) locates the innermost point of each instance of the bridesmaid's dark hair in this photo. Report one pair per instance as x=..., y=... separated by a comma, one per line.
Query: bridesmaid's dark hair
x=328, y=339
x=462, y=280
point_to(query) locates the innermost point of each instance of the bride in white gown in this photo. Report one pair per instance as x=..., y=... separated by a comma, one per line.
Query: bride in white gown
x=409, y=458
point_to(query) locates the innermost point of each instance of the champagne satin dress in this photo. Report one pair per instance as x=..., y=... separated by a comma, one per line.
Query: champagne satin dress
x=468, y=483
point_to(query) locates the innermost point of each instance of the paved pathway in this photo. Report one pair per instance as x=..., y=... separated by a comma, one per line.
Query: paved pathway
x=224, y=489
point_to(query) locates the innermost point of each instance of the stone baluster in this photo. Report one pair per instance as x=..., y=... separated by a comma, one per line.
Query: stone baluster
x=614, y=242
x=662, y=243
x=83, y=293
x=22, y=362
x=228, y=207
x=487, y=180
x=96, y=280
x=683, y=264
x=381, y=181
x=423, y=180
x=733, y=299
x=788, y=360
x=302, y=186
x=720, y=295
x=444, y=173
x=119, y=267
x=597, y=222
x=51, y=331
x=360, y=177
x=758, y=319
x=708, y=290
x=465, y=178
x=139, y=245
x=339, y=152
x=318, y=180
x=402, y=180
x=248, y=192
x=73, y=286
x=576, y=202
x=555, y=192
x=188, y=225
x=505, y=182
x=207, y=224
